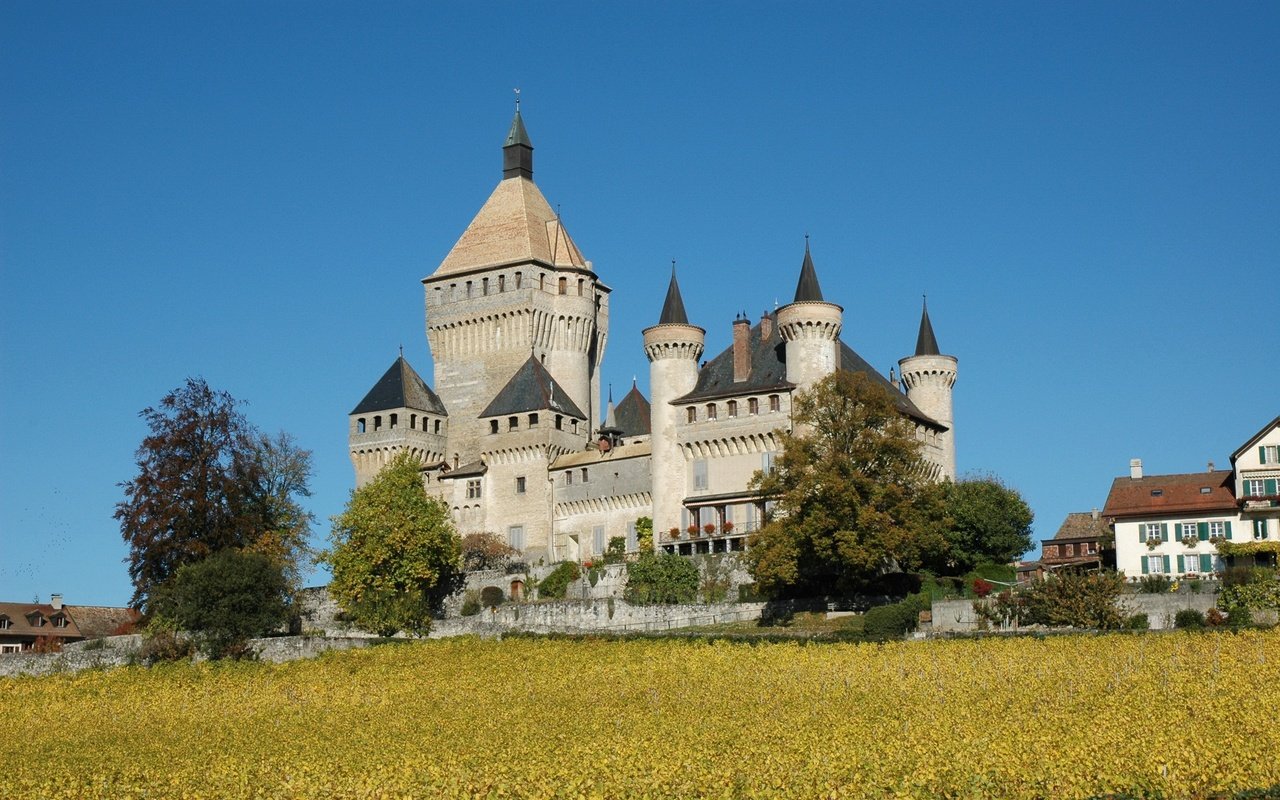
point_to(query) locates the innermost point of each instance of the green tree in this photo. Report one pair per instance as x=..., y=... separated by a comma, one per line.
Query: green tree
x=989, y=523
x=209, y=481
x=644, y=534
x=395, y=555
x=1066, y=598
x=853, y=493
x=226, y=599
x=655, y=578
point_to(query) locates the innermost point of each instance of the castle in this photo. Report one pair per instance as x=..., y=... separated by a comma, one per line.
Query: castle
x=514, y=440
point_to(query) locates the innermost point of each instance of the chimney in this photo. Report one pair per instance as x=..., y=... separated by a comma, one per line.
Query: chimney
x=741, y=349
x=1211, y=466
x=55, y=600
x=893, y=379
x=766, y=326
x=1095, y=515
x=1135, y=469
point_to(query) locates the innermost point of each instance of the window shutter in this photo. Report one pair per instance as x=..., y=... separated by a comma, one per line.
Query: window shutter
x=1206, y=563
x=1164, y=531
x=1142, y=533
x=1182, y=564
x=1228, y=524
x=1271, y=486
x=1262, y=455
x=1145, y=569
x=1202, y=531
x=1166, y=564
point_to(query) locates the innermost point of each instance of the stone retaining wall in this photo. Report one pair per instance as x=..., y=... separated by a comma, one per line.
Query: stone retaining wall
x=957, y=616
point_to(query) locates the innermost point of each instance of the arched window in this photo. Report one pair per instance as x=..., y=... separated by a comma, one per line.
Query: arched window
x=484, y=287
x=437, y=426
x=711, y=410
x=753, y=405
x=775, y=403
x=691, y=413
x=519, y=276
x=502, y=283
x=580, y=282
x=413, y=422
x=733, y=408
x=564, y=285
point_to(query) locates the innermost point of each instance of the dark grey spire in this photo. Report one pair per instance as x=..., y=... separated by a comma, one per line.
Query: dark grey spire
x=926, y=342
x=517, y=151
x=807, y=287
x=673, y=308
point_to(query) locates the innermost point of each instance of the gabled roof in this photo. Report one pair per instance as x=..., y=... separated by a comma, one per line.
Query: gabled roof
x=515, y=225
x=673, y=307
x=631, y=415
x=98, y=621
x=807, y=288
x=21, y=616
x=1082, y=525
x=532, y=389
x=1155, y=495
x=1255, y=438
x=400, y=387
x=926, y=342
x=769, y=373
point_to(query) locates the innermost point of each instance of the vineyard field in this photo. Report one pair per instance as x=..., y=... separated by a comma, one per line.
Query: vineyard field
x=1177, y=716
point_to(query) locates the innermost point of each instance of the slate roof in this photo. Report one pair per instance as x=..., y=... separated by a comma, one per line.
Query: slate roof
x=807, y=288
x=673, y=307
x=468, y=470
x=926, y=342
x=631, y=415
x=532, y=389
x=1177, y=494
x=400, y=387
x=517, y=134
x=769, y=370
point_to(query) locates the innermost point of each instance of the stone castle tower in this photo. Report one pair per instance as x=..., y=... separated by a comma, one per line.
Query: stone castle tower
x=514, y=285
x=811, y=328
x=399, y=413
x=928, y=377
x=673, y=347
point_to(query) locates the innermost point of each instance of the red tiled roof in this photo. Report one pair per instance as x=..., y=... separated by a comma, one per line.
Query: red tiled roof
x=21, y=614
x=1154, y=495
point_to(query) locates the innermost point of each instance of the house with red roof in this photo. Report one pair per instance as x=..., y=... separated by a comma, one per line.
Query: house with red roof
x=1194, y=524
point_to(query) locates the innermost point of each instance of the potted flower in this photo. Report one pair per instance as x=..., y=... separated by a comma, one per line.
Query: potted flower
x=709, y=528
x=1152, y=544
x=1190, y=541
x=1217, y=540
x=673, y=534
x=692, y=529
x=727, y=527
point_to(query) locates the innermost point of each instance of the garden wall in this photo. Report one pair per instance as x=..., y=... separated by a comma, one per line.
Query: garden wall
x=956, y=616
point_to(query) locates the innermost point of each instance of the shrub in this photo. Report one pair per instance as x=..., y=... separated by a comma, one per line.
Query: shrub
x=485, y=551
x=896, y=619
x=1154, y=584
x=667, y=578
x=982, y=587
x=1137, y=622
x=1214, y=618
x=491, y=597
x=557, y=583
x=616, y=552
x=1077, y=600
x=470, y=603
x=1188, y=618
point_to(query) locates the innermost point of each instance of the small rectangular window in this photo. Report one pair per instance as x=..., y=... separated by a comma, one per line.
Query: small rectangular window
x=568, y=477
x=753, y=406
x=533, y=420
x=700, y=474
x=711, y=410
x=515, y=536
x=493, y=426
x=584, y=474
x=520, y=485
x=732, y=408
x=597, y=539
x=692, y=414
x=513, y=423
x=473, y=489
x=775, y=403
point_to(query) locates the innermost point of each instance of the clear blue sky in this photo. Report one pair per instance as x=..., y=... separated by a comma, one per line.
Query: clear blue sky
x=251, y=192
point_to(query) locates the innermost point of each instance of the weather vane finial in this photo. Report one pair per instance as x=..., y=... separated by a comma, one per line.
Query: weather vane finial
x=402, y=351
x=517, y=99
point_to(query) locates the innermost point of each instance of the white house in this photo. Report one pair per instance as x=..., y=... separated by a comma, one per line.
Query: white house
x=1172, y=524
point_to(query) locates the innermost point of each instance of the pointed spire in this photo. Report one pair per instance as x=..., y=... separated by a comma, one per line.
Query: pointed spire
x=926, y=342
x=610, y=418
x=517, y=151
x=673, y=308
x=807, y=288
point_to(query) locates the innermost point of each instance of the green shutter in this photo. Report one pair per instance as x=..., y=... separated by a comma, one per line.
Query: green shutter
x=1144, y=564
x=1142, y=533
x=1166, y=564
x=1164, y=531
x=1270, y=483
x=1206, y=563
x=1228, y=524
x=1182, y=564
x=1262, y=455
x=1202, y=530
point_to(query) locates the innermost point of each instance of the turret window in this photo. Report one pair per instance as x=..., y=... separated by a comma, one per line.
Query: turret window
x=377, y=423
x=559, y=422
x=568, y=477
x=437, y=426
x=732, y=407
x=413, y=422
x=468, y=289
x=584, y=474
x=484, y=286
x=519, y=277
x=395, y=419
x=360, y=425
x=580, y=281
x=753, y=406
x=775, y=403
x=513, y=423
x=502, y=283
x=493, y=426
x=533, y=420
x=564, y=285
x=711, y=410
x=520, y=485
x=691, y=414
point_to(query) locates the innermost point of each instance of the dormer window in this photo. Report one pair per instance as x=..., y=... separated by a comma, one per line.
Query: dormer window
x=4, y=623
x=59, y=621
x=35, y=620
x=1157, y=492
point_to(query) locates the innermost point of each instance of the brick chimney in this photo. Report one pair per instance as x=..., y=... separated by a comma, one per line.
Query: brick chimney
x=741, y=349
x=1135, y=468
x=766, y=326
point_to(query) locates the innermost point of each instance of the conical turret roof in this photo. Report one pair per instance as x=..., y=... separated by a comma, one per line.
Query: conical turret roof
x=400, y=387
x=807, y=288
x=673, y=307
x=926, y=342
